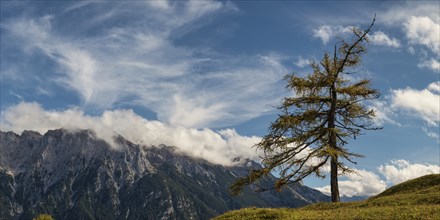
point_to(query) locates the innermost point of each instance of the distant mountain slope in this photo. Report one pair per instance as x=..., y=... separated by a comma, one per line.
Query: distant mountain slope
x=415, y=199
x=74, y=175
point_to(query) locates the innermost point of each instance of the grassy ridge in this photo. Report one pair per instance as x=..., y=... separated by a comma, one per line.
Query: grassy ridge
x=415, y=199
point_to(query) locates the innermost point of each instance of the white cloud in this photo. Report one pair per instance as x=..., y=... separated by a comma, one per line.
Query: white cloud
x=398, y=171
x=326, y=32
x=160, y=4
x=432, y=134
x=431, y=64
x=302, y=62
x=200, y=8
x=424, y=31
x=420, y=24
x=140, y=64
x=227, y=96
x=16, y=95
x=78, y=5
x=367, y=183
x=380, y=38
x=219, y=147
x=434, y=87
x=399, y=13
x=362, y=183
x=425, y=103
x=383, y=114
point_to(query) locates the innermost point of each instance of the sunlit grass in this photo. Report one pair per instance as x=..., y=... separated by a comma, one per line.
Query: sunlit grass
x=414, y=199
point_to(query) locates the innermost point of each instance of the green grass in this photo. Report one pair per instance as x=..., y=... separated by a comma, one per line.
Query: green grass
x=415, y=199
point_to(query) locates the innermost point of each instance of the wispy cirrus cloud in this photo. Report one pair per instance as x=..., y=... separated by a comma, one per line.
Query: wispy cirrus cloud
x=383, y=114
x=302, y=62
x=328, y=32
x=139, y=63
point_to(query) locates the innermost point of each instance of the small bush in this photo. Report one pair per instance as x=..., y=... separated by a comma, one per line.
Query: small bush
x=43, y=217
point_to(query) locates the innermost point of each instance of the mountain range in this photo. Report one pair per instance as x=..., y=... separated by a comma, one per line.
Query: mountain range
x=75, y=175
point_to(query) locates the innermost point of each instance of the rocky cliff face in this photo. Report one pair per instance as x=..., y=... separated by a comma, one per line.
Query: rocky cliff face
x=74, y=175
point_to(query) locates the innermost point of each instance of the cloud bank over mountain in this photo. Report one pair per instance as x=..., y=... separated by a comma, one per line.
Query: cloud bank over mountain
x=218, y=147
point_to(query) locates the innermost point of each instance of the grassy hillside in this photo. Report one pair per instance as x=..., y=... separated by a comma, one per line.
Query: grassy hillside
x=415, y=199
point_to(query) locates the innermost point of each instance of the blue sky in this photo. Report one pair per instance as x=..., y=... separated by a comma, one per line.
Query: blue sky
x=208, y=73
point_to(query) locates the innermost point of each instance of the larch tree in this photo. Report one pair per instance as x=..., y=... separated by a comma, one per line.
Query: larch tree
x=317, y=122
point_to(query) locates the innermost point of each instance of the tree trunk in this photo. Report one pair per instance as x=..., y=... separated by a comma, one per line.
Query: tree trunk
x=334, y=179
x=332, y=144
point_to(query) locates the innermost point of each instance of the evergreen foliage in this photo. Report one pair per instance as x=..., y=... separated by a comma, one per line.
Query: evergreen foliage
x=317, y=122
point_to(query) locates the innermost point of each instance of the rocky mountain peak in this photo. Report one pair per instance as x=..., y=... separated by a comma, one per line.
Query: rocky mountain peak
x=74, y=175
